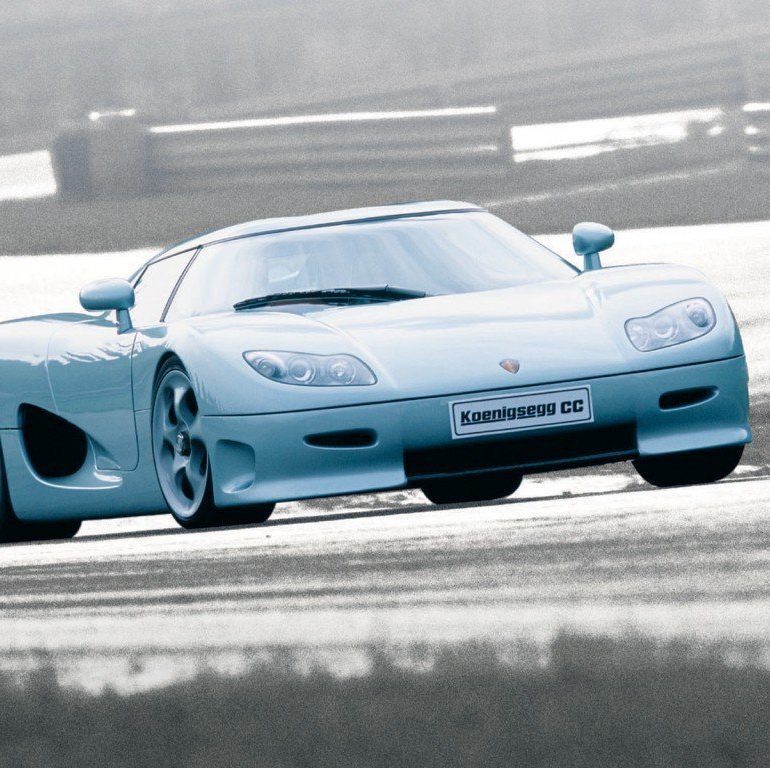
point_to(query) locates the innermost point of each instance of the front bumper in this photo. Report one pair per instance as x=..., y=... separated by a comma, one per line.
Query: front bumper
x=266, y=458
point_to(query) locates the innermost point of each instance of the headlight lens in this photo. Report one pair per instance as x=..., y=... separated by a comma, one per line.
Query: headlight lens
x=311, y=370
x=680, y=322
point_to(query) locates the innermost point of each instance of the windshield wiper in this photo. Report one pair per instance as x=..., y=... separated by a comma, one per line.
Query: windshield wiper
x=333, y=296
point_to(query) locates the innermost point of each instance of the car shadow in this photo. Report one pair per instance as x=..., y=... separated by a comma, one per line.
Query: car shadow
x=381, y=512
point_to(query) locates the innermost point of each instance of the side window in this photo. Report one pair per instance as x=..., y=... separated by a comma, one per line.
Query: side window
x=155, y=286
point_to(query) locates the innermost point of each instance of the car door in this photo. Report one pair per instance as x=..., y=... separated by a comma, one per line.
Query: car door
x=89, y=367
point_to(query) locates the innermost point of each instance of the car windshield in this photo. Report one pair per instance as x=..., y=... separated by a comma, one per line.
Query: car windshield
x=437, y=254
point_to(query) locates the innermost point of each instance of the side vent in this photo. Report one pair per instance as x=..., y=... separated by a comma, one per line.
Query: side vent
x=55, y=448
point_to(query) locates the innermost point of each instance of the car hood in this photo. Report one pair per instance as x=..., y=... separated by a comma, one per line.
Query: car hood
x=458, y=342
x=556, y=331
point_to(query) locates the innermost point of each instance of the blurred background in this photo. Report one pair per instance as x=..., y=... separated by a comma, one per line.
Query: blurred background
x=132, y=123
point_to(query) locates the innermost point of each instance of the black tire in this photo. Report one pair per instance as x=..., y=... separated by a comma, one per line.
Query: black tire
x=462, y=490
x=199, y=510
x=10, y=526
x=690, y=467
x=251, y=515
x=14, y=530
x=62, y=529
x=214, y=517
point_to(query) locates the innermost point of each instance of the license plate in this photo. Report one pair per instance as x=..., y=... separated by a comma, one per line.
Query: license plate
x=515, y=412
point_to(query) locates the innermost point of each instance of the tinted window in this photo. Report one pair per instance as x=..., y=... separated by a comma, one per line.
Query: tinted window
x=440, y=254
x=155, y=286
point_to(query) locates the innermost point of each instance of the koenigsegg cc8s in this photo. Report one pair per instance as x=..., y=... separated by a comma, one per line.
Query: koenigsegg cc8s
x=429, y=345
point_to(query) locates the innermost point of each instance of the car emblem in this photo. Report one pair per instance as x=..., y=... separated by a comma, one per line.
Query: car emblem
x=510, y=365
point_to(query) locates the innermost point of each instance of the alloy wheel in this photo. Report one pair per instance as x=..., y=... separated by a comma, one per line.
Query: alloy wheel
x=181, y=458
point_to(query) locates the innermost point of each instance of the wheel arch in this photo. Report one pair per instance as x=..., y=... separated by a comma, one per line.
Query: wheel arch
x=166, y=357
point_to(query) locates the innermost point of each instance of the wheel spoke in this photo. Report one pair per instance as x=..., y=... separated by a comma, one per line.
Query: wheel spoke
x=167, y=405
x=193, y=476
x=179, y=464
x=180, y=392
x=165, y=452
x=181, y=484
x=186, y=405
x=168, y=434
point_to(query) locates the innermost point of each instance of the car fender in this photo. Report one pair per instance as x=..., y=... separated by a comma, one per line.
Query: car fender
x=23, y=365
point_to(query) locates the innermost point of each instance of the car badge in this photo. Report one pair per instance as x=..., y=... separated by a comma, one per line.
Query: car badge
x=510, y=365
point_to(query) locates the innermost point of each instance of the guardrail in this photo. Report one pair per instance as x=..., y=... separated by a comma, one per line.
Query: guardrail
x=115, y=154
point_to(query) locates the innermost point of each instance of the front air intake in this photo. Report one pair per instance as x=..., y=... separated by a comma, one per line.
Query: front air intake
x=352, y=438
x=531, y=453
x=683, y=398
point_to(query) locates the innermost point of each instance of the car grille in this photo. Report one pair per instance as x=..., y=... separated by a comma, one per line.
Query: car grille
x=528, y=454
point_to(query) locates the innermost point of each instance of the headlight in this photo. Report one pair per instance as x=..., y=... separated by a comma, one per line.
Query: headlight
x=311, y=370
x=680, y=322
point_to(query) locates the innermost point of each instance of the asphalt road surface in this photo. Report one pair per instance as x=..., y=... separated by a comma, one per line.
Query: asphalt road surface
x=140, y=601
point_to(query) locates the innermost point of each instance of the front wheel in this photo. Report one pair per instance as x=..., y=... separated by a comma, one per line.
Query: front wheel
x=689, y=467
x=461, y=490
x=182, y=459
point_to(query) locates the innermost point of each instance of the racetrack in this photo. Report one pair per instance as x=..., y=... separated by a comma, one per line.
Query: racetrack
x=597, y=551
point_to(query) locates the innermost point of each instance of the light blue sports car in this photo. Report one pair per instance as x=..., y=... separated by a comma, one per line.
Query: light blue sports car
x=428, y=345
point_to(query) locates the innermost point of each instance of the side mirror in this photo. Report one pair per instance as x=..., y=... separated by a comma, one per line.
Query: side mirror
x=589, y=240
x=109, y=294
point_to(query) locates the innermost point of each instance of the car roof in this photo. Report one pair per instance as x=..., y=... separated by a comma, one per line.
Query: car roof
x=331, y=218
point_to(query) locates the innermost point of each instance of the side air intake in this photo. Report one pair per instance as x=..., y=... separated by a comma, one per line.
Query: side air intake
x=55, y=448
